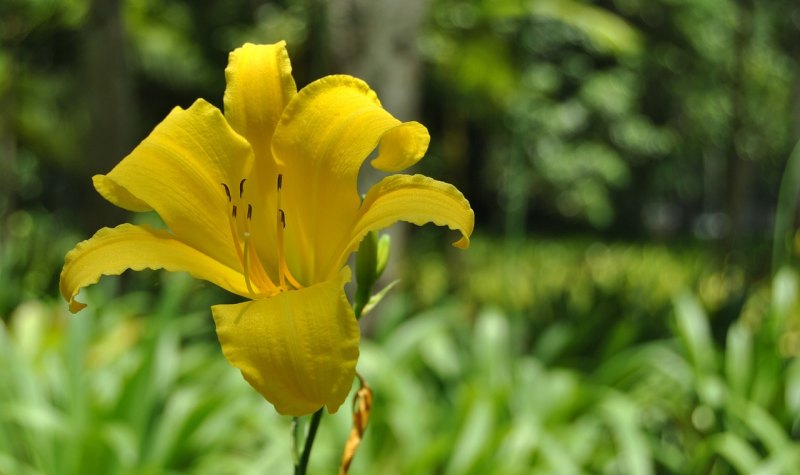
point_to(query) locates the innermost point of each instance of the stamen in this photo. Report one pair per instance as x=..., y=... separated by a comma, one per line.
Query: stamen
x=283, y=269
x=246, y=263
x=290, y=277
x=260, y=275
x=281, y=258
x=279, y=226
x=246, y=253
x=235, y=234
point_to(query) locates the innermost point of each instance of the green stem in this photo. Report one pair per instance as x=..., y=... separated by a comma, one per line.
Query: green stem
x=302, y=464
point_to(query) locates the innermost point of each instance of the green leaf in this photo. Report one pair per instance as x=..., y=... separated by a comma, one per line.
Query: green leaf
x=10, y=464
x=123, y=443
x=793, y=388
x=376, y=299
x=784, y=293
x=739, y=358
x=371, y=259
x=384, y=249
x=695, y=333
x=607, y=30
x=781, y=462
x=367, y=260
x=736, y=451
x=473, y=438
x=622, y=416
x=762, y=423
x=441, y=353
x=491, y=347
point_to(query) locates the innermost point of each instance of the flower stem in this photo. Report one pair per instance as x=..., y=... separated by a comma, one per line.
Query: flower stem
x=302, y=464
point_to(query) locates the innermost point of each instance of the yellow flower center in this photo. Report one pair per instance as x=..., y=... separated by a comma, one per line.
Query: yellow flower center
x=258, y=281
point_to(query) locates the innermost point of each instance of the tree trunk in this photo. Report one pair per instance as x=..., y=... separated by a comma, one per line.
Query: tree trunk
x=739, y=171
x=109, y=98
x=376, y=40
x=8, y=147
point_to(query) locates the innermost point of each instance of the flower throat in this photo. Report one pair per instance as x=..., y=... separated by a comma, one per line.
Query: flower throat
x=258, y=281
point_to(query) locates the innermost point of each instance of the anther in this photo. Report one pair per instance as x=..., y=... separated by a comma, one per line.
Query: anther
x=241, y=187
x=233, y=212
x=280, y=181
x=282, y=217
x=227, y=192
x=249, y=212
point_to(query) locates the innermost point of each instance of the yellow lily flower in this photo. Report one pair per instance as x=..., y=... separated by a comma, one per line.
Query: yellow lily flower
x=262, y=201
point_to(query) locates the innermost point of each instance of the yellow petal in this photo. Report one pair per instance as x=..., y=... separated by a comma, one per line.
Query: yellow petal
x=416, y=199
x=111, y=251
x=323, y=137
x=259, y=85
x=178, y=171
x=298, y=349
x=118, y=195
x=402, y=147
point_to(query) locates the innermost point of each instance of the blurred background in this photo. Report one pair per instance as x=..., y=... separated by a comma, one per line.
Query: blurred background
x=629, y=304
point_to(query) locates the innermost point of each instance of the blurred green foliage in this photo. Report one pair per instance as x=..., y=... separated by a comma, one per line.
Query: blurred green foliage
x=33, y=248
x=683, y=403
x=638, y=117
x=575, y=301
x=596, y=116
x=469, y=385
x=132, y=388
